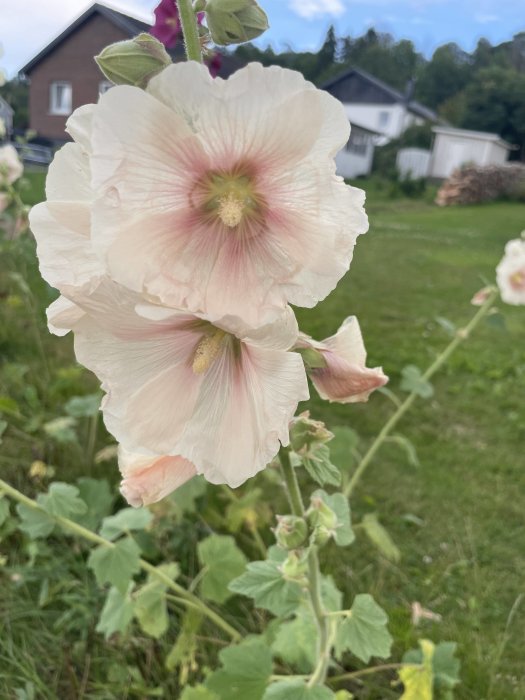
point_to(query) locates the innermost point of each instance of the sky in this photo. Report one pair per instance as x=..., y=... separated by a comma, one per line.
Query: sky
x=26, y=26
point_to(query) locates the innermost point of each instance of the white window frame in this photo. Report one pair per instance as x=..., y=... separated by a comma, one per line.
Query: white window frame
x=66, y=103
x=104, y=86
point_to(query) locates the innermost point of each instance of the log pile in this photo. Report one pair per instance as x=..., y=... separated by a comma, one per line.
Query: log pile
x=473, y=184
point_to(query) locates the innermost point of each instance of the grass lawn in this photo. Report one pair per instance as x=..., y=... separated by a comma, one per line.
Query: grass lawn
x=458, y=518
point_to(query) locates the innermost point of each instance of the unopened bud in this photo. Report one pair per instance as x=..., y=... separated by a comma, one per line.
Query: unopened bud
x=304, y=431
x=321, y=515
x=294, y=568
x=291, y=531
x=133, y=62
x=235, y=21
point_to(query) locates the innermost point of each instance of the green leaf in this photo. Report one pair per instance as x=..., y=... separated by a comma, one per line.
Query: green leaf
x=317, y=463
x=4, y=509
x=116, y=614
x=116, y=564
x=407, y=446
x=343, y=533
x=34, y=522
x=83, y=406
x=343, y=447
x=380, y=537
x=364, y=632
x=418, y=679
x=62, y=429
x=246, y=671
x=185, y=496
x=98, y=498
x=223, y=561
x=149, y=605
x=250, y=509
x=447, y=325
x=297, y=690
x=126, y=520
x=264, y=582
x=63, y=500
x=199, y=692
x=413, y=381
x=445, y=666
x=3, y=426
x=184, y=651
x=9, y=406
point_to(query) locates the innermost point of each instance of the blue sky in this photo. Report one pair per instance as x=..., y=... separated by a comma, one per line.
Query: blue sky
x=28, y=25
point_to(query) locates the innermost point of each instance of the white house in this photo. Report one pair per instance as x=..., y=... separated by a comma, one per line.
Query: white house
x=373, y=104
x=355, y=159
x=456, y=147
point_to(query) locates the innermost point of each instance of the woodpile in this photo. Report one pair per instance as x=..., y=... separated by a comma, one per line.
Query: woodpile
x=473, y=184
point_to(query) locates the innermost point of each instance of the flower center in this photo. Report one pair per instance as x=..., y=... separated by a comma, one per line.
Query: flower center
x=230, y=198
x=230, y=209
x=517, y=280
x=207, y=350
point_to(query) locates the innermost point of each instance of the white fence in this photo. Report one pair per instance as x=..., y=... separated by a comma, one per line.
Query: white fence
x=413, y=163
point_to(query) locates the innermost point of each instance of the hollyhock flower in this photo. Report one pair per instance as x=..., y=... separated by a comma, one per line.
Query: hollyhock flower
x=148, y=479
x=11, y=167
x=167, y=23
x=338, y=365
x=218, y=395
x=510, y=273
x=218, y=195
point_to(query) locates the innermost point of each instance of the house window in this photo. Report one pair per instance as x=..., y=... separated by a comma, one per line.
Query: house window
x=104, y=86
x=384, y=118
x=358, y=142
x=61, y=98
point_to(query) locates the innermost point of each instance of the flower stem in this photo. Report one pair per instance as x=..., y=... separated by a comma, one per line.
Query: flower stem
x=366, y=672
x=440, y=360
x=189, y=598
x=188, y=22
x=324, y=643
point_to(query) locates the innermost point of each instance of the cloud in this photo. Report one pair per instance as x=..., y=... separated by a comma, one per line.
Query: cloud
x=486, y=19
x=309, y=9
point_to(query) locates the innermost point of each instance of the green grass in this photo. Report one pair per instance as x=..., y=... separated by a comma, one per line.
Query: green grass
x=464, y=559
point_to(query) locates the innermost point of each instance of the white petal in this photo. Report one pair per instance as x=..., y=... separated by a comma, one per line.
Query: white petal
x=63, y=315
x=68, y=177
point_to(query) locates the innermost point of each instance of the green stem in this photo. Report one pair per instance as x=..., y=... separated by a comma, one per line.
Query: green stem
x=188, y=21
x=189, y=599
x=440, y=360
x=366, y=672
x=314, y=575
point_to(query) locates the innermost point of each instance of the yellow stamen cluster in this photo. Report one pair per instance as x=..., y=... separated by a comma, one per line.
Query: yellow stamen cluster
x=230, y=198
x=231, y=209
x=517, y=279
x=207, y=351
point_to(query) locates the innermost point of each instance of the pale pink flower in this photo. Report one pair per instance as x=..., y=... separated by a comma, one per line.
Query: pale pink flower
x=11, y=167
x=148, y=479
x=217, y=195
x=481, y=296
x=511, y=273
x=218, y=395
x=343, y=375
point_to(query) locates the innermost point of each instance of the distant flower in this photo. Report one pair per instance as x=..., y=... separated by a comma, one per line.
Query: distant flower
x=338, y=366
x=481, y=296
x=221, y=196
x=167, y=23
x=11, y=167
x=511, y=273
x=217, y=395
x=148, y=479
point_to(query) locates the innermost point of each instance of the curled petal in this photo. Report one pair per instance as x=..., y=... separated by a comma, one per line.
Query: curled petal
x=148, y=479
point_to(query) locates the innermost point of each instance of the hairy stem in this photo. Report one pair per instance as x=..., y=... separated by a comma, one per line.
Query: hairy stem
x=188, y=21
x=366, y=672
x=189, y=599
x=440, y=360
x=324, y=643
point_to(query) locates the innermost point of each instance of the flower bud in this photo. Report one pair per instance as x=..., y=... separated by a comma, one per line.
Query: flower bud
x=235, y=21
x=133, y=62
x=291, y=531
x=321, y=515
x=304, y=431
x=294, y=568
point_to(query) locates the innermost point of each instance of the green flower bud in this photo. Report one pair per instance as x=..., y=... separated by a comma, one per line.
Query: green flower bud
x=321, y=535
x=133, y=62
x=304, y=431
x=235, y=21
x=294, y=568
x=321, y=515
x=291, y=531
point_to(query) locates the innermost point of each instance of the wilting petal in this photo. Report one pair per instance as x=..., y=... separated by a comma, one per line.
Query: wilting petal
x=148, y=479
x=345, y=377
x=511, y=273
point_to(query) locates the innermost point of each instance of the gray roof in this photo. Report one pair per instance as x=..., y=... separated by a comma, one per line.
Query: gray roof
x=412, y=105
x=129, y=25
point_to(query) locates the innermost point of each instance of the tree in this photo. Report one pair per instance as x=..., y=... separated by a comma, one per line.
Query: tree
x=446, y=74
